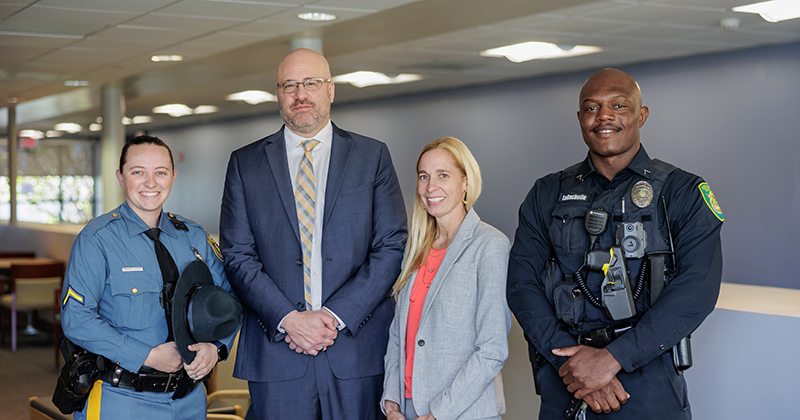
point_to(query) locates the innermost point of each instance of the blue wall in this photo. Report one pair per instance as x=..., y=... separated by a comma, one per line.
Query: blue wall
x=727, y=117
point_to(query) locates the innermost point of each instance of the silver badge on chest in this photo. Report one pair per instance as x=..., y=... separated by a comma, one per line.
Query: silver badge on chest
x=642, y=194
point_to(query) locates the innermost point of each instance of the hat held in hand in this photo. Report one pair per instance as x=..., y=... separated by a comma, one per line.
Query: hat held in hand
x=201, y=311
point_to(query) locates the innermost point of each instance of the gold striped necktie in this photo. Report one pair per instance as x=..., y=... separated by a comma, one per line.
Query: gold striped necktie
x=305, y=200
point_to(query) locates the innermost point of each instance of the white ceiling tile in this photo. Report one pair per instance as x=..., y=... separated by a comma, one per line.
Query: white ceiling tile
x=49, y=14
x=194, y=25
x=137, y=6
x=227, y=39
x=267, y=30
x=152, y=35
x=247, y=11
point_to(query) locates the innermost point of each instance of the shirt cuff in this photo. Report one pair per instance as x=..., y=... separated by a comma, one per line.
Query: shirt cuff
x=341, y=323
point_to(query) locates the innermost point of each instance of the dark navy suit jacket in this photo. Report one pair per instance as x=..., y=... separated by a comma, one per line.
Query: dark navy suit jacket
x=364, y=232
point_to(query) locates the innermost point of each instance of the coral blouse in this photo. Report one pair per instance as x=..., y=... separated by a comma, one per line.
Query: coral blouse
x=422, y=283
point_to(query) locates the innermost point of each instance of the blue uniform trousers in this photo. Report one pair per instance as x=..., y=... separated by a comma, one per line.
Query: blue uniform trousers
x=119, y=403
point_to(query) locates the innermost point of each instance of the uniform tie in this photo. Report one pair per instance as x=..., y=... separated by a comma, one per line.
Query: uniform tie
x=169, y=275
x=305, y=199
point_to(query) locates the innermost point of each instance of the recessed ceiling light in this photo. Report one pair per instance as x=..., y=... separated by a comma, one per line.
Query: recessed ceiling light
x=166, y=58
x=173, y=110
x=370, y=78
x=539, y=51
x=252, y=97
x=206, y=109
x=773, y=11
x=71, y=128
x=95, y=127
x=76, y=83
x=317, y=16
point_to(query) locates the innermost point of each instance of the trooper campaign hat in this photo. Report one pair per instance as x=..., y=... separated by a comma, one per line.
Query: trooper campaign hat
x=201, y=311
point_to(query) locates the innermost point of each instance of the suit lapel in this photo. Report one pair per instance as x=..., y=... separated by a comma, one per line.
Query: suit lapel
x=454, y=251
x=275, y=149
x=340, y=157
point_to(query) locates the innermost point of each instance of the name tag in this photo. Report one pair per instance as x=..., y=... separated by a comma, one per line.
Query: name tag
x=128, y=269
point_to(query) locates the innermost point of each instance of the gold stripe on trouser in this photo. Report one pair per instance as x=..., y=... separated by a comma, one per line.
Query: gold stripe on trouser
x=305, y=199
x=93, y=403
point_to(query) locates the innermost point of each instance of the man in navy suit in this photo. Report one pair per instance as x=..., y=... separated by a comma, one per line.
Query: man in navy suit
x=317, y=299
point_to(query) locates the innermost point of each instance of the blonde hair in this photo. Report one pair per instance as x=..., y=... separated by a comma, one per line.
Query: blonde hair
x=423, y=225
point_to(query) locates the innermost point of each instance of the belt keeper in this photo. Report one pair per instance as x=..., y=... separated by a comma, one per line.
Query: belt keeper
x=169, y=381
x=116, y=377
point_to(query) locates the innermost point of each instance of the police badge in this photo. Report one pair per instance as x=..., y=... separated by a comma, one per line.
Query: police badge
x=642, y=194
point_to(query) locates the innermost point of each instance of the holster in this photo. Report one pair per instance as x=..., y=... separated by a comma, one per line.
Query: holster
x=77, y=377
x=537, y=361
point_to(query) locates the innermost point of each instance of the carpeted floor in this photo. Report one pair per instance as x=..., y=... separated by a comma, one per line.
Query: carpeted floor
x=29, y=371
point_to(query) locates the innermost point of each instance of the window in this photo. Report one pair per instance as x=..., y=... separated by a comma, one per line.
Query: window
x=55, y=182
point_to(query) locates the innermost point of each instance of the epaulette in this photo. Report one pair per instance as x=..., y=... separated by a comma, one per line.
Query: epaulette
x=179, y=225
x=101, y=221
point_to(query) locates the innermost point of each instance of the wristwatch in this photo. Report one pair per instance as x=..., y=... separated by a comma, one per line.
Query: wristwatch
x=222, y=353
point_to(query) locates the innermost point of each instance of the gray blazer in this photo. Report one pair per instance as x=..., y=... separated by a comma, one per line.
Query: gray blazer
x=462, y=341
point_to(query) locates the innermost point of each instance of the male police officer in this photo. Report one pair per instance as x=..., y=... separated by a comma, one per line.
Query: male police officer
x=569, y=308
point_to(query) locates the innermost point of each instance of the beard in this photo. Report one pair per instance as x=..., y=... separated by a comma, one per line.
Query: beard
x=307, y=122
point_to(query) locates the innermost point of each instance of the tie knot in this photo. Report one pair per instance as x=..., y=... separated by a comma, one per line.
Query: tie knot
x=308, y=145
x=153, y=234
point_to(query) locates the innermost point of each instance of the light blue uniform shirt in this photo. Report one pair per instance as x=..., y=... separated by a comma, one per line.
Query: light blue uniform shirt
x=110, y=303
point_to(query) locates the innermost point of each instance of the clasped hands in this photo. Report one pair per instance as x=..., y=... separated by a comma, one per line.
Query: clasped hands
x=310, y=332
x=165, y=358
x=590, y=374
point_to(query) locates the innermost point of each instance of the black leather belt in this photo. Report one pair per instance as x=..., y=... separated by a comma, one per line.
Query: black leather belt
x=142, y=382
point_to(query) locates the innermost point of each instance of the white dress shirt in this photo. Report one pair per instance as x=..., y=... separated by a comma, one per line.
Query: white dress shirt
x=320, y=159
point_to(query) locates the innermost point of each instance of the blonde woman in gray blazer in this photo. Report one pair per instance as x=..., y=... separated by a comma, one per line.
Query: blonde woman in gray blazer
x=453, y=283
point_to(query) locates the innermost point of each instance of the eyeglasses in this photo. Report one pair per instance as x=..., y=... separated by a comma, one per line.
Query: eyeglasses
x=308, y=84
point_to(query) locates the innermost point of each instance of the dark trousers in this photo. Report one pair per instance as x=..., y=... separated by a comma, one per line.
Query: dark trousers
x=318, y=395
x=657, y=393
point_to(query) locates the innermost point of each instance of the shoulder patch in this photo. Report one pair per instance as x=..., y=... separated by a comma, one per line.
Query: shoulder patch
x=214, y=246
x=711, y=201
x=72, y=294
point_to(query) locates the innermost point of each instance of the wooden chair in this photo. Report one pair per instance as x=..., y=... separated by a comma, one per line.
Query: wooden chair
x=228, y=397
x=31, y=287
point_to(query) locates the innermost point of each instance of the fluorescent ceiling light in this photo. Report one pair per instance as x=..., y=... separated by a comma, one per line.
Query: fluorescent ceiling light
x=539, y=51
x=95, y=127
x=370, y=78
x=54, y=133
x=126, y=121
x=179, y=110
x=166, y=58
x=71, y=128
x=142, y=119
x=206, y=109
x=174, y=110
x=31, y=134
x=317, y=16
x=252, y=97
x=773, y=11
x=76, y=83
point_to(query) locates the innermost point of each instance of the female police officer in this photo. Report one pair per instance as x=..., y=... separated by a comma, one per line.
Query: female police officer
x=111, y=300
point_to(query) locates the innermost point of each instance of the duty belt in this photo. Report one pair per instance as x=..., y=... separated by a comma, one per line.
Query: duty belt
x=154, y=381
